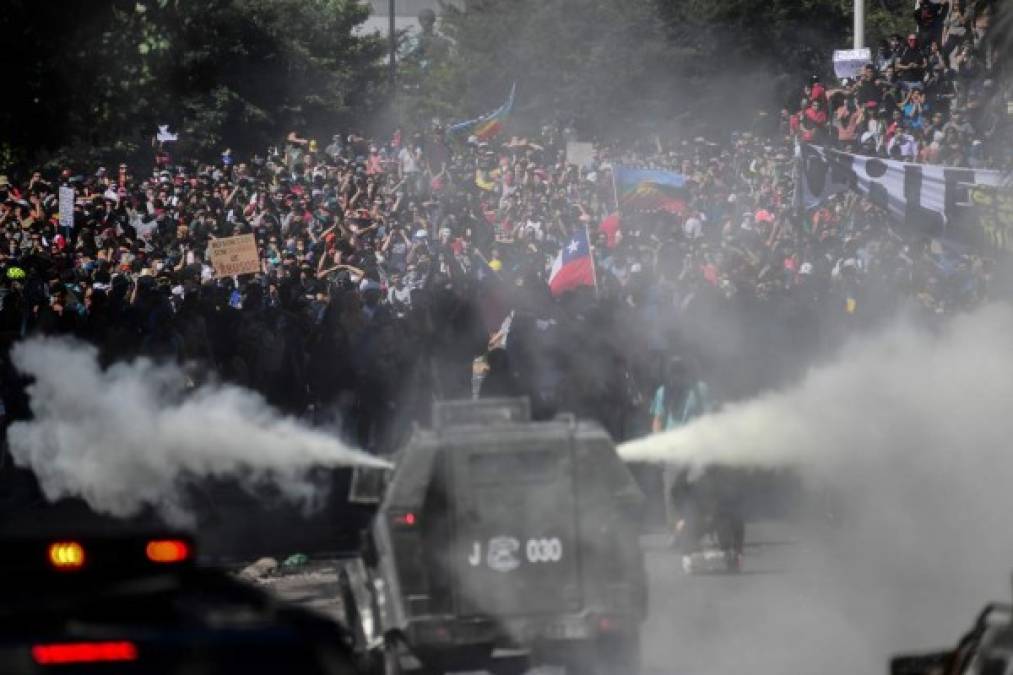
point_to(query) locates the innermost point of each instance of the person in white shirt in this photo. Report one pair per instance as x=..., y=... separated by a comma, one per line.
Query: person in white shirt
x=693, y=227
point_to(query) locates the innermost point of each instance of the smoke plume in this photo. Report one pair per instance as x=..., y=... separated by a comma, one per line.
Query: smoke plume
x=911, y=431
x=902, y=394
x=132, y=435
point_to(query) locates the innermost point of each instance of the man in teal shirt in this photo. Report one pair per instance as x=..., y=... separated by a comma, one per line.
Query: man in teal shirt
x=690, y=505
x=680, y=399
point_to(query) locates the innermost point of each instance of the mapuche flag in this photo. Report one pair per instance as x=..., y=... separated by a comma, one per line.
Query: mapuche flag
x=486, y=126
x=650, y=189
x=573, y=266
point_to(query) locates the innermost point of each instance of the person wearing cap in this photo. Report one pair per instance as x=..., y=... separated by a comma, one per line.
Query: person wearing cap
x=420, y=246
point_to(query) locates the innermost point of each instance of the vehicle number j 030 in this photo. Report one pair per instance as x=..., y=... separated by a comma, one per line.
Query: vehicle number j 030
x=499, y=552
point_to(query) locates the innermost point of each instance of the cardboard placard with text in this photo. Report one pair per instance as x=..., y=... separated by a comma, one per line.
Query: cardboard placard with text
x=232, y=256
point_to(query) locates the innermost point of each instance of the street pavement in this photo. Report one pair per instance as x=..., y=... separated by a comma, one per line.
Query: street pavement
x=716, y=623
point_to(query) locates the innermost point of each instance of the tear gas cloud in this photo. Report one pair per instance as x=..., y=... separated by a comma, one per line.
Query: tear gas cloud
x=944, y=396
x=910, y=430
x=131, y=436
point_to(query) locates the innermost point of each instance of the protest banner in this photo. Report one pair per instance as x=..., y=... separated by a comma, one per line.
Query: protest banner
x=994, y=208
x=924, y=194
x=231, y=256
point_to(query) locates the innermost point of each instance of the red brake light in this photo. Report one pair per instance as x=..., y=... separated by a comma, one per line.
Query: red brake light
x=84, y=652
x=405, y=519
x=66, y=555
x=167, y=550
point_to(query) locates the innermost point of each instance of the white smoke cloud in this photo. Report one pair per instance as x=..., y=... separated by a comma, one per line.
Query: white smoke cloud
x=131, y=436
x=912, y=430
x=900, y=391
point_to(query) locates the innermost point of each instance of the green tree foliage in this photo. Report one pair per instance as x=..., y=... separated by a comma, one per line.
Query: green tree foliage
x=576, y=61
x=610, y=65
x=96, y=77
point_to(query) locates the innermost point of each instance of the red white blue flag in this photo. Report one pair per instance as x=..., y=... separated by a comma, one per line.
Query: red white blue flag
x=573, y=266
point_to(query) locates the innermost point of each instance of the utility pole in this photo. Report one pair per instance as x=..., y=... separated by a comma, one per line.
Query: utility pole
x=393, y=45
x=859, y=28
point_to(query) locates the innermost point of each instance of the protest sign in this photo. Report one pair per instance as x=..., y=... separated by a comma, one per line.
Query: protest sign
x=164, y=135
x=231, y=256
x=67, y=207
x=581, y=154
x=849, y=62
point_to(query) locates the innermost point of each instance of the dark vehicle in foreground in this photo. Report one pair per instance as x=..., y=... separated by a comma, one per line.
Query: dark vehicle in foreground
x=140, y=605
x=986, y=649
x=501, y=543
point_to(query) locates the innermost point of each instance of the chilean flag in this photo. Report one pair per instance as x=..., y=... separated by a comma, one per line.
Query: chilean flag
x=573, y=266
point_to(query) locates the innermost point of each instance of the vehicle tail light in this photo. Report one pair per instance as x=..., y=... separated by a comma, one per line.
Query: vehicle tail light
x=408, y=519
x=84, y=652
x=66, y=555
x=167, y=550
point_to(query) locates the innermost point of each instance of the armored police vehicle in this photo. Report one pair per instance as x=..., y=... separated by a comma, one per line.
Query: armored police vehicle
x=502, y=542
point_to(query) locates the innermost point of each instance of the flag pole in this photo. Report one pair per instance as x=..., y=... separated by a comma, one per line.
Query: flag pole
x=615, y=190
x=590, y=253
x=798, y=196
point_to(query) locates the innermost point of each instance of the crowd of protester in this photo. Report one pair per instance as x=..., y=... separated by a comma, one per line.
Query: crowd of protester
x=929, y=97
x=398, y=271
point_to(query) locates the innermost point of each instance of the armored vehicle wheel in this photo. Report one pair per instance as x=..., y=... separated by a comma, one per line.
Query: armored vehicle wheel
x=351, y=612
x=390, y=658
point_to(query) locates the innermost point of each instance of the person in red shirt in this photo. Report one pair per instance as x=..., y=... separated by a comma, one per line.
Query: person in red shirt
x=814, y=121
x=818, y=91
